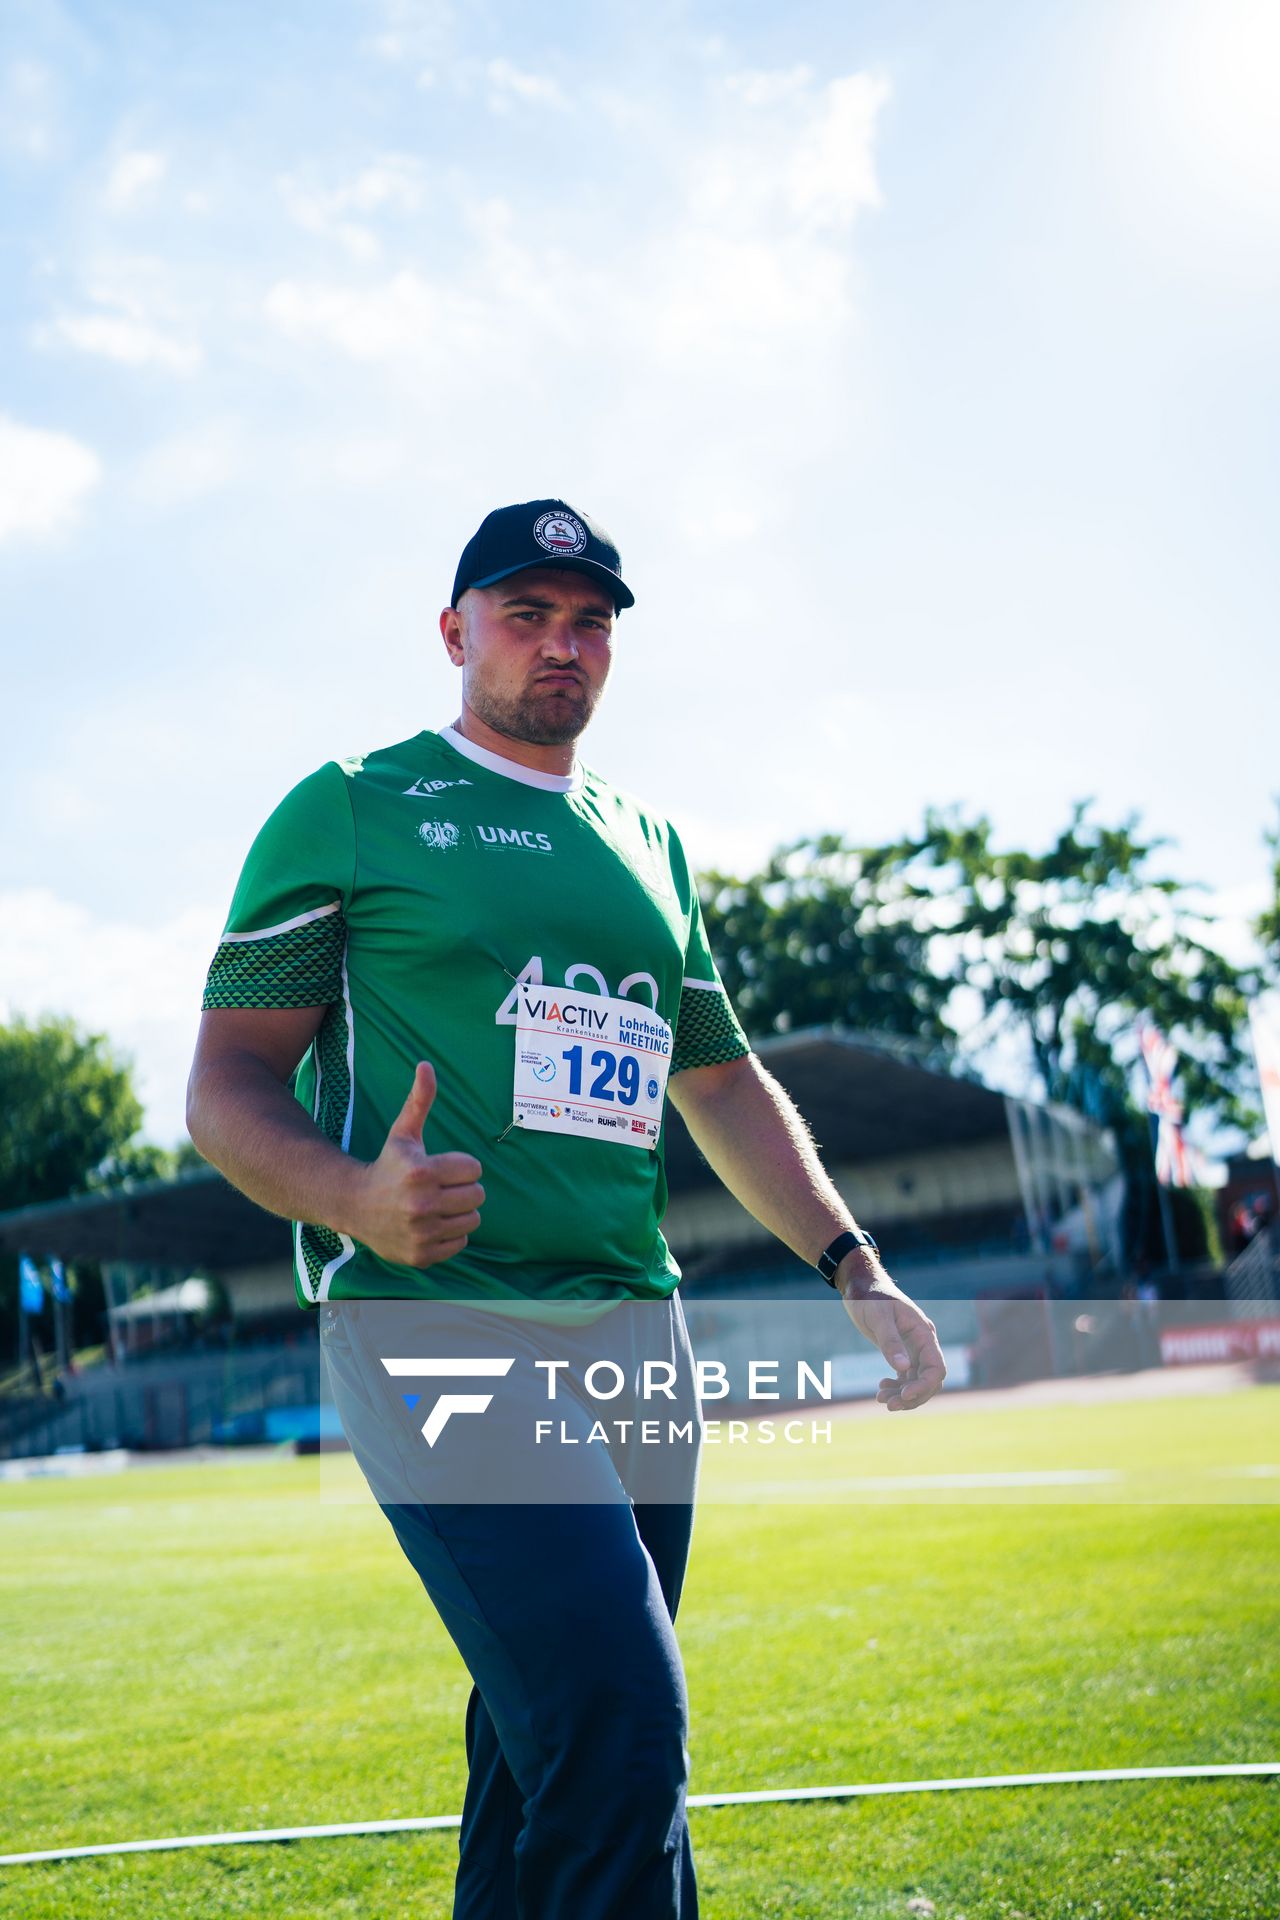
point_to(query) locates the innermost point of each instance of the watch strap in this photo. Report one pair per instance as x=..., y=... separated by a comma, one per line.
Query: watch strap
x=830, y=1257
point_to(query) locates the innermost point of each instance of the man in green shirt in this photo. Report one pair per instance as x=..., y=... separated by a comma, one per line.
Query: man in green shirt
x=489, y=969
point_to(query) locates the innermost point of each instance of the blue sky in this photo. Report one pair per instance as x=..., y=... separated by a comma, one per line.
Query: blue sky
x=920, y=358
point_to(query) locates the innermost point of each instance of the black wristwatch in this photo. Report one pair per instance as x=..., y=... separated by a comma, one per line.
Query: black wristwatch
x=844, y=1243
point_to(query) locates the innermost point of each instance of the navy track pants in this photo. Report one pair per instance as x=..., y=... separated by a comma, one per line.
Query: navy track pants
x=577, y=1723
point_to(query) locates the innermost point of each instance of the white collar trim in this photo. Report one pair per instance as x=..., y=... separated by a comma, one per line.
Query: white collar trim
x=512, y=769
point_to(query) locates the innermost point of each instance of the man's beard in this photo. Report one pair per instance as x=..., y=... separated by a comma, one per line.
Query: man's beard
x=541, y=717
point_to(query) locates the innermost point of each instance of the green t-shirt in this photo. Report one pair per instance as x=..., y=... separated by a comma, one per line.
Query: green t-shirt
x=412, y=893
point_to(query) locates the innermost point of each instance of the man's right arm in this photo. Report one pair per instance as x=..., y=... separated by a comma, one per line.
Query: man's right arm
x=408, y=1206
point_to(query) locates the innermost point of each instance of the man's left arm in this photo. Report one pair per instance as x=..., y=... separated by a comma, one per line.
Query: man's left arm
x=754, y=1139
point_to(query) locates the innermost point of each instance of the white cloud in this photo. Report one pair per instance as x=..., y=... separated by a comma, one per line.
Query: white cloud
x=748, y=300
x=757, y=89
x=1228, y=917
x=394, y=180
x=754, y=283
x=130, y=316
x=362, y=461
x=832, y=175
x=27, y=110
x=413, y=30
x=189, y=467
x=714, y=840
x=724, y=524
x=143, y=989
x=392, y=183
x=508, y=83
x=807, y=163
x=743, y=271
x=44, y=479
x=368, y=323
x=132, y=177
x=127, y=338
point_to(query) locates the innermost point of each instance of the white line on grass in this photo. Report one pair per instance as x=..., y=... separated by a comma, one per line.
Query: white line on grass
x=754, y=1797
x=928, y=1482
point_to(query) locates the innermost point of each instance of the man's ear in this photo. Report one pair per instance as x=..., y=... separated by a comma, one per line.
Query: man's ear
x=451, y=631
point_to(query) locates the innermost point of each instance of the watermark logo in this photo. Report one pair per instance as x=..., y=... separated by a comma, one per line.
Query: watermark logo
x=605, y=1380
x=412, y=1368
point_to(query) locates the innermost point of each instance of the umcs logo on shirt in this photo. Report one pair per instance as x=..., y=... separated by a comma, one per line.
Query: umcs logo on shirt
x=444, y=834
x=514, y=837
x=439, y=833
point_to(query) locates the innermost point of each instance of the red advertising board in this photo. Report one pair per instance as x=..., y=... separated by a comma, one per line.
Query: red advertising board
x=1223, y=1340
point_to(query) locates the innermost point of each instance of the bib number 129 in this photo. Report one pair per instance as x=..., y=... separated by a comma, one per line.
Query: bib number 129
x=590, y=1064
x=627, y=1069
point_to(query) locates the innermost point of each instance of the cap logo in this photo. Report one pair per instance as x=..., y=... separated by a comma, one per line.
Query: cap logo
x=560, y=533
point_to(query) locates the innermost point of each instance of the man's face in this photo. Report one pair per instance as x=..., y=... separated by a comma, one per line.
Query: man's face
x=535, y=651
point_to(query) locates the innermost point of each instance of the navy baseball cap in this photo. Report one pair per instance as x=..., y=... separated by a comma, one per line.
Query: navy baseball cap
x=540, y=533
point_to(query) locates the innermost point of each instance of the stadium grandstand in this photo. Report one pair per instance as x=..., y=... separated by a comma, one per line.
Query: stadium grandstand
x=1002, y=1215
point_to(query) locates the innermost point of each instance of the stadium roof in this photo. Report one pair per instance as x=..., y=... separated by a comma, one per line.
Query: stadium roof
x=196, y=1221
x=864, y=1099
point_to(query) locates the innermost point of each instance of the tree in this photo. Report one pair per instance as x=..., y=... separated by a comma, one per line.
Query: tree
x=827, y=934
x=68, y=1112
x=1074, y=946
x=1067, y=949
x=141, y=1160
x=1267, y=925
x=67, y=1105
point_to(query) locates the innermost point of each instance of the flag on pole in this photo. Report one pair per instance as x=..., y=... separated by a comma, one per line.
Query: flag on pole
x=31, y=1286
x=1264, y=1025
x=1160, y=1056
x=61, y=1286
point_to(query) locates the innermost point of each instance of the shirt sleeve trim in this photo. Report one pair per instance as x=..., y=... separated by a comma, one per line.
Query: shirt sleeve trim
x=287, y=926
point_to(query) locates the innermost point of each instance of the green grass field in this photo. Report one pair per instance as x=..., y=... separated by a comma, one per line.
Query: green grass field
x=208, y=1648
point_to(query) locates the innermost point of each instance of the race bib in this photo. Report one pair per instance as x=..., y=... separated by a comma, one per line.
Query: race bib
x=589, y=1065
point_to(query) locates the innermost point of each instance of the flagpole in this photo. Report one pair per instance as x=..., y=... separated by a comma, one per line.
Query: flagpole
x=1166, y=1208
x=1159, y=1060
x=24, y=1337
x=30, y=1303
x=1264, y=1029
x=61, y=1313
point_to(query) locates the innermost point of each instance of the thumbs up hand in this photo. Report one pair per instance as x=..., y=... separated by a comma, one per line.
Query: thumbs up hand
x=418, y=1208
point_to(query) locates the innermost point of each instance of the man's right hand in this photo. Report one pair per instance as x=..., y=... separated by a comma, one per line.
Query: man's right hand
x=413, y=1207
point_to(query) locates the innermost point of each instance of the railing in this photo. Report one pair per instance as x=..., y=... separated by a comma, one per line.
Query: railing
x=155, y=1407
x=1255, y=1273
